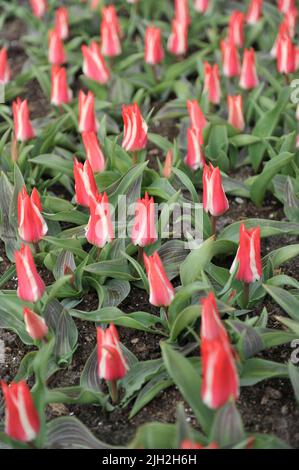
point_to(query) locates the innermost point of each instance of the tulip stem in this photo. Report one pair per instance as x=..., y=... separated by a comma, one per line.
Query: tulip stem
x=31, y=445
x=246, y=293
x=99, y=251
x=135, y=157
x=140, y=254
x=36, y=248
x=14, y=149
x=114, y=391
x=155, y=73
x=287, y=79
x=214, y=224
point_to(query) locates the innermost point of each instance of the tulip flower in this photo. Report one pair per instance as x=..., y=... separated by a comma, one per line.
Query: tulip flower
x=161, y=289
x=60, y=92
x=56, y=53
x=248, y=255
x=112, y=365
x=178, y=39
x=110, y=41
x=94, y=65
x=109, y=15
x=99, y=230
x=154, y=53
x=249, y=78
x=235, y=112
x=220, y=378
x=22, y=422
x=181, y=11
x=87, y=117
x=144, y=230
x=23, y=129
x=285, y=5
x=236, y=28
x=32, y=226
x=212, y=84
x=255, y=11
x=85, y=185
x=30, y=285
x=286, y=55
x=195, y=155
x=5, y=72
x=282, y=30
x=214, y=199
x=35, y=325
x=93, y=151
x=197, y=118
x=230, y=59
x=167, y=170
x=188, y=444
x=135, y=128
x=38, y=7
x=201, y=5
x=62, y=22
x=290, y=21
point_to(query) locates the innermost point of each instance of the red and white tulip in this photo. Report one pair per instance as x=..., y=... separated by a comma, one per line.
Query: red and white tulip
x=94, y=65
x=23, y=129
x=144, y=230
x=214, y=199
x=35, y=325
x=31, y=224
x=87, y=117
x=85, y=185
x=112, y=365
x=60, y=91
x=248, y=255
x=93, y=151
x=195, y=155
x=135, y=128
x=30, y=285
x=5, y=71
x=249, y=79
x=99, y=230
x=161, y=289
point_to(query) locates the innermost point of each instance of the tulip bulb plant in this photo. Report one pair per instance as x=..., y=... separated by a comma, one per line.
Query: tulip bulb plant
x=149, y=197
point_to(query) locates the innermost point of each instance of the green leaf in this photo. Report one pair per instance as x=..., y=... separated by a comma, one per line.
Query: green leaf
x=187, y=379
x=266, y=126
x=227, y=427
x=257, y=370
x=285, y=300
x=294, y=377
x=261, y=182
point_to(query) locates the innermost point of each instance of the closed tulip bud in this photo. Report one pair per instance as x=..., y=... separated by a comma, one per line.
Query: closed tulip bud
x=220, y=381
x=109, y=15
x=87, y=117
x=181, y=11
x=161, y=289
x=99, y=230
x=286, y=55
x=283, y=30
x=154, y=53
x=38, y=7
x=22, y=422
x=230, y=59
x=94, y=65
x=60, y=92
x=195, y=155
x=236, y=28
x=135, y=128
x=93, y=151
x=62, y=22
x=249, y=78
x=30, y=285
x=110, y=41
x=85, y=185
x=22, y=126
x=201, y=5
x=235, y=112
x=248, y=255
x=255, y=11
x=188, y=444
x=178, y=39
x=285, y=5
x=212, y=84
x=144, y=230
x=5, y=72
x=214, y=199
x=35, y=325
x=56, y=53
x=197, y=118
x=31, y=224
x=290, y=21
x=112, y=365
x=167, y=170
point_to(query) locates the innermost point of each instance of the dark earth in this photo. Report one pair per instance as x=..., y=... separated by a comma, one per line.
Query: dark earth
x=268, y=407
